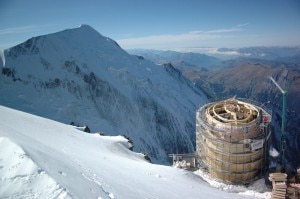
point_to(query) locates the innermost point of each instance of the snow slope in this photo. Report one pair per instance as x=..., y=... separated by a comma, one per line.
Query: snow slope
x=22, y=178
x=41, y=158
x=78, y=75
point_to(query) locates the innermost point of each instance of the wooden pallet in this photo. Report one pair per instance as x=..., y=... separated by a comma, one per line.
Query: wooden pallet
x=279, y=185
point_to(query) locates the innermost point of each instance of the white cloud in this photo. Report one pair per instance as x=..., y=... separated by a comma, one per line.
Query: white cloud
x=24, y=29
x=157, y=39
x=191, y=38
x=17, y=30
x=234, y=29
x=242, y=25
x=212, y=51
x=171, y=40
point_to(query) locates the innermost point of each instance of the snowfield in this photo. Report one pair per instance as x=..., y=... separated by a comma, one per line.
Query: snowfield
x=41, y=158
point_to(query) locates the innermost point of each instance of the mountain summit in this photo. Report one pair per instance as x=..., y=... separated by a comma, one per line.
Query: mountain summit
x=78, y=75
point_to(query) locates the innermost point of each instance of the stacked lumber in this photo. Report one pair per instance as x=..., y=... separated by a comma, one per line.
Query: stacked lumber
x=298, y=176
x=279, y=185
x=294, y=188
x=293, y=191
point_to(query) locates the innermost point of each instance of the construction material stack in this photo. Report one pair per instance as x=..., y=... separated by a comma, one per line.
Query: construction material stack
x=279, y=185
x=298, y=176
x=293, y=189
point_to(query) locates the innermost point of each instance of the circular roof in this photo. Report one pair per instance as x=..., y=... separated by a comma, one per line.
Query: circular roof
x=233, y=112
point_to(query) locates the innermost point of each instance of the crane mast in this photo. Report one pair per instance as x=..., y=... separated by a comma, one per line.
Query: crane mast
x=283, y=120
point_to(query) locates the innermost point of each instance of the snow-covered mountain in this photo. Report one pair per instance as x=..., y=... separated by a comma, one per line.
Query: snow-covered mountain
x=78, y=75
x=41, y=158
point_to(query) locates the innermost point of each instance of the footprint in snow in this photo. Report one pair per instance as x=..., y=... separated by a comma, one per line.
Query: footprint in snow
x=62, y=173
x=158, y=176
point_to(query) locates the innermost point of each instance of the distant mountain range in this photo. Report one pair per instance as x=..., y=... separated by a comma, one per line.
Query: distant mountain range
x=79, y=76
x=216, y=58
x=192, y=60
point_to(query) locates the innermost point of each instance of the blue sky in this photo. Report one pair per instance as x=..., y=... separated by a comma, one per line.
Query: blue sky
x=158, y=24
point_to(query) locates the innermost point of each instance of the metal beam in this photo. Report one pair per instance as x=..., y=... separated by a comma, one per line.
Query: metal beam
x=283, y=119
x=281, y=90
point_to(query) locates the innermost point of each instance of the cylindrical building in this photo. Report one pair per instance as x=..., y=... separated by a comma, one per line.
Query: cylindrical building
x=232, y=140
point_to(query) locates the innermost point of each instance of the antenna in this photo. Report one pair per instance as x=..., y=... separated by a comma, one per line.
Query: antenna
x=282, y=140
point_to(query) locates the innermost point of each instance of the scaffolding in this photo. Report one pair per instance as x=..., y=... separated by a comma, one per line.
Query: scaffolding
x=232, y=138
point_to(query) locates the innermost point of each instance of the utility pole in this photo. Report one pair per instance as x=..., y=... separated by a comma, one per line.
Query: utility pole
x=283, y=119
